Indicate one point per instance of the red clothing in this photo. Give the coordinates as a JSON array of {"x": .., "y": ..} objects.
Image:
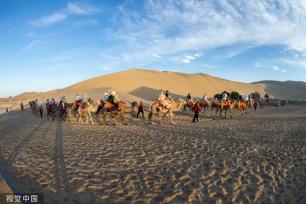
[{"x": 196, "y": 107}]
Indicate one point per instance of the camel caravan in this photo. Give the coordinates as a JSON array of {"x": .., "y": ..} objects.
[{"x": 85, "y": 110}]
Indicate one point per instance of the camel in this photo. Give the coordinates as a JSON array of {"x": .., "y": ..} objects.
[
  {"x": 223, "y": 106},
  {"x": 189, "y": 104},
  {"x": 204, "y": 105},
  {"x": 109, "y": 110},
  {"x": 51, "y": 110},
  {"x": 82, "y": 112},
  {"x": 241, "y": 106},
  {"x": 172, "y": 107}
]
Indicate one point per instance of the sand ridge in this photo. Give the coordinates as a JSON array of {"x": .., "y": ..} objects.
[{"x": 141, "y": 84}]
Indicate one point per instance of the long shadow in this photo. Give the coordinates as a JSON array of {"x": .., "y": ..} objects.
[
  {"x": 64, "y": 190},
  {"x": 61, "y": 182},
  {"x": 23, "y": 142}
]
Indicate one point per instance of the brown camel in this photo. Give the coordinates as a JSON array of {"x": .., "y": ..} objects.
[
  {"x": 158, "y": 106},
  {"x": 108, "y": 110},
  {"x": 223, "y": 106}
]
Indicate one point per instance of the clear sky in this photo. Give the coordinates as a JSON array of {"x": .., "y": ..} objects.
[{"x": 51, "y": 44}]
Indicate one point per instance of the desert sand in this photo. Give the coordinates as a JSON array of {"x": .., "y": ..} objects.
[{"x": 258, "y": 158}]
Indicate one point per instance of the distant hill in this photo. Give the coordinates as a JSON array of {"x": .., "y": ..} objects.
[
  {"x": 289, "y": 90},
  {"x": 143, "y": 84}
]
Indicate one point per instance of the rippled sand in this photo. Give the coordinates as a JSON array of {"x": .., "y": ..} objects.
[{"x": 259, "y": 158}]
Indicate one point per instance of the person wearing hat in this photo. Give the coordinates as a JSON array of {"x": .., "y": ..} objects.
[{"x": 196, "y": 109}]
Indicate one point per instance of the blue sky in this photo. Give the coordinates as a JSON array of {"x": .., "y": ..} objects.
[{"x": 51, "y": 44}]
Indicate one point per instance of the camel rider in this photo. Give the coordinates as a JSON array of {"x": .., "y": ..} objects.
[
  {"x": 78, "y": 98},
  {"x": 250, "y": 98},
  {"x": 162, "y": 98},
  {"x": 224, "y": 96},
  {"x": 188, "y": 97},
  {"x": 62, "y": 104},
  {"x": 112, "y": 99},
  {"x": 52, "y": 101},
  {"x": 101, "y": 105},
  {"x": 205, "y": 97},
  {"x": 106, "y": 96},
  {"x": 245, "y": 98},
  {"x": 63, "y": 99},
  {"x": 78, "y": 101},
  {"x": 116, "y": 97},
  {"x": 168, "y": 97},
  {"x": 167, "y": 94},
  {"x": 84, "y": 99},
  {"x": 205, "y": 100},
  {"x": 161, "y": 94}
]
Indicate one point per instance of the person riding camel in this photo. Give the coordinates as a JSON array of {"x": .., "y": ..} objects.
[
  {"x": 63, "y": 99},
  {"x": 205, "y": 101},
  {"x": 225, "y": 99},
  {"x": 188, "y": 97},
  {"x": 62, "y": 106},
  {"x": 84, "y": 99},
  {"x": 224, "y": 96},
  {"x": 167, "y": 94},
  {"x": 168, "y": 97},
  {"x": 163, "y": 99},
  {"x": 106, "y": 96},
  {"x": 101, "y": 105},
  {"x": 78, "y": 101},
  {"x": 78, "y": 98},
  {"x": 205, "y": 97},
  {"x": 245, "y": 98},
  {"x": 113, "y": 99}
]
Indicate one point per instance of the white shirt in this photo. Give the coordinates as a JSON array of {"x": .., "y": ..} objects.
[{"x": 224, "y": 96}]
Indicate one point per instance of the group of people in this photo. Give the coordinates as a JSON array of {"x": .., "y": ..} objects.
[
  {"x": 164, "y": 100},
  {"x": 196, "y": 108}
]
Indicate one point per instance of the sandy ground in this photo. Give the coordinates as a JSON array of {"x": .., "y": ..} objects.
[{"x": 259, "y": 158}]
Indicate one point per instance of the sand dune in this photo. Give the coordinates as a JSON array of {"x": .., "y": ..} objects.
[
  {"x": 289, "y": 90},
  {"x": 136, "y": 84}
]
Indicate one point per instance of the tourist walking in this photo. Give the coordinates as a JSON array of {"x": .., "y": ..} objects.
[
  {"x": 196, "y": 109},
  {"x": 41, "y": 110},
  {"x": 21, "y": 106},
  {"x": 140, "y": 110}
]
